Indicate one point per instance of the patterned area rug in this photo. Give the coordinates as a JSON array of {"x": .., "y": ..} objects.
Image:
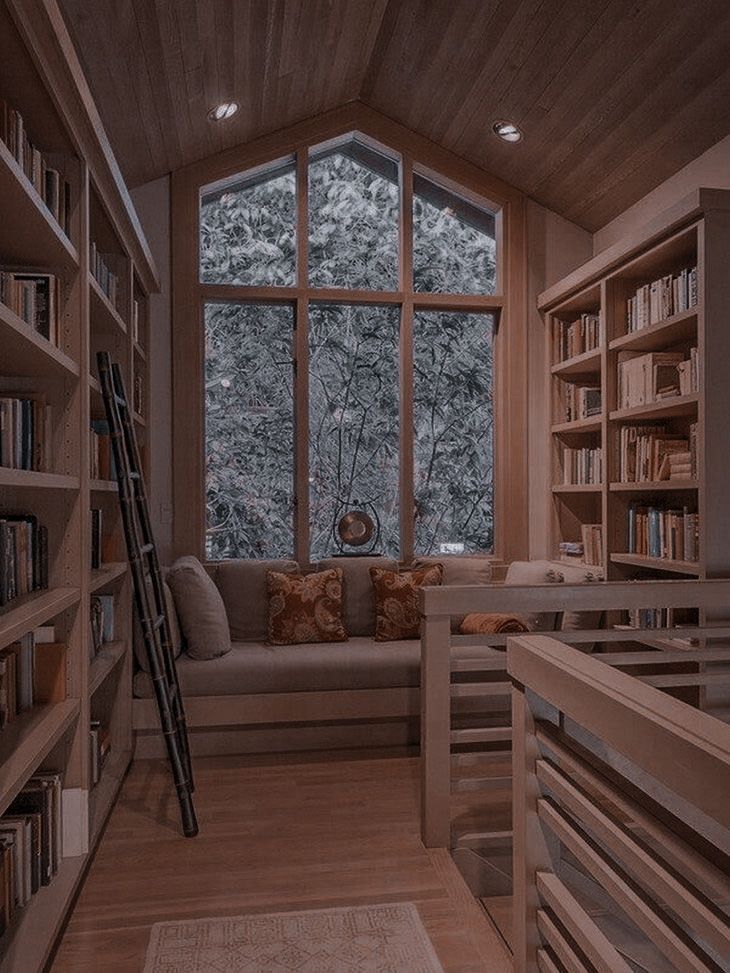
[{"x": 365, "y": 939}]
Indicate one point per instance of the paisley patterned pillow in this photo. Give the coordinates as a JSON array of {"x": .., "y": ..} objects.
[
  {"x": 305, "y": 608},
  {"x": 396, "y": 601}
]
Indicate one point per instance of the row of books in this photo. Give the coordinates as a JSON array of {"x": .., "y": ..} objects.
[
  {"x": 48, "y": 182},
  {"x": 138, "y": 403},
  {"x": 31, "y": 672},
  {"x": 578, "y": 401},
  {"x": 592, "y": 540},
  {"x": 102, "y": 623},
  {"x": 101, "y": 457},
  {"x": 649, "y": 453},
  {"x": 663, "y": 533},
  {"x": 24, "y": 433},
  {"x": 660, "y": 299},
  {"x": 651, "y": 617},
  {"x": 31, "y": 836},
  {"x": 655, "y": 376},
  {"x": 135, "y": 320},
  {"x": 582, "y": 466},
  {"x": 104, "y": 275},
  {"x": 23, "y": 556},
  {"x": 35, "y": 298},
  {"x": 96, "y": 537},
  {"x": 100, "y": 747},
  {"x": 572, "y": 338}
]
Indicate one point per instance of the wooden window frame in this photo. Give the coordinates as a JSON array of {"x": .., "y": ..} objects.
[{"x": 508, "y": 305}]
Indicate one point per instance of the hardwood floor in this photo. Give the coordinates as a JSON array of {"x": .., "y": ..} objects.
[{"x": 278, "y": 833}]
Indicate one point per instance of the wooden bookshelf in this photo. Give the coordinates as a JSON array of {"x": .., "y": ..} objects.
[
  {"x": 657, "y": 563},
  {"x": 51, "y": 94},
  {"x": 694, "y": 233}
]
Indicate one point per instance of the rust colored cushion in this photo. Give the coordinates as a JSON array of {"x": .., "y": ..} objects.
[
  {"x": 305, "y": 608},
  {"x": 396, "y": 601},
  {"x": 492, "y": 623}
]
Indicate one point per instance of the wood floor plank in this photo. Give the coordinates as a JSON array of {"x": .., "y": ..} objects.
[{"x": 276, "y": 834}]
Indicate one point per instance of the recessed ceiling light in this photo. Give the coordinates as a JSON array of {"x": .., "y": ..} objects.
[
  {"x": 507, "y": 131},
  {"x": 226, "y": 109}
]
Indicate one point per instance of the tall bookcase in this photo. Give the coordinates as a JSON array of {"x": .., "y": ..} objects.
[
  {"x": 42, "y": 80},
  {"x": 695, "y": 233}
]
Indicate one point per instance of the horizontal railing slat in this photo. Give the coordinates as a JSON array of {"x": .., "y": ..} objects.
[
  {"x": 559, "y": 944},
  {"x": 595, "y": 946},
  {"x": 701, "y": 872},
  {"x": 655, "y": 923},
  {"x": 602, "y": 595},
  {"x": 678, "y": 895},
  {"x": 661, "y": 735}
]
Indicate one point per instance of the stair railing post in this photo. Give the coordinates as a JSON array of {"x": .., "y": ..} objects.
[{"x": 436, "y": 731}]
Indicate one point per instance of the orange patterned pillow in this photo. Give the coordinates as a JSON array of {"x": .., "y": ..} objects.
[
  {"x": 396, "y": 601},
  {"x": 305, "y": 608}
]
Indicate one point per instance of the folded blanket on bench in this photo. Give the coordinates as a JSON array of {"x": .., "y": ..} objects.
[{"x": 492, "y": 623}]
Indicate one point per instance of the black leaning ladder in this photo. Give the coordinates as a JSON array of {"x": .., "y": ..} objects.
[{"x": 149, "y": 596}]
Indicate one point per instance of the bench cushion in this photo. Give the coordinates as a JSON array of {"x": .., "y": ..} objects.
[
  {"x": 255, "y": 667},
  {"x": 358, "y": 594},
  {"x": 243, "y": 588}
]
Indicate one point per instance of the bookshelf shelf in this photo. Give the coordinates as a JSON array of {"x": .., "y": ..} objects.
[
  {"x": 679, "y": 405},
  {"x": 103, "y": 486},
  {"x": 593, "y": 424},
  {"x": 577, "y": 488},
  {"x": 30, "y": 479},
  {"x": 103, "y": 795},
  {"x": 586, "y": 364},
  {"x": 51, "y": 103},
  {"x": 27, "y": 943},
  {"x": 27, "y": 613},
  {"x": 679, "y": 263},
  {"x": 657, "y": 486},
  {"x": 657, "y": 563},
  {"x": 26, "y": 741},
  {"x": 677, "y": 328},
  {"x": 104, "y": 663},
  {"x": 106, "y": 575},
  {"x": 26, "y": 353},
  {"x": 104, "y": 316},
  {"x": 28, "y": 232}
]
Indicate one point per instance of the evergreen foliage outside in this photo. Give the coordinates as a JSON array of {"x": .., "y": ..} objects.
[{"x": 248, "y": 237}]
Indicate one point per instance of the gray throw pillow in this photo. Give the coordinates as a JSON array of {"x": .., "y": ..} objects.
[
  {"x": 200, "y": 609},
  {"x": 140, "y": 652}
]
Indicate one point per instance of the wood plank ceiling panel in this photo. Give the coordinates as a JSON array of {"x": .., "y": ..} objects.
[
  {"x": 157, "y": 66},
  {"x": 613, "y": 95}
]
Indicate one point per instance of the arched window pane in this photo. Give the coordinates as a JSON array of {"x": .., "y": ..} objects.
[
  {"x": 353, "y": 219},
  {"x": 247, "y": 231},
  {"x": 249, "y": 430},
  {"x": 453, "y": 432},
  {"x": 454, "y": 242},
  {"x": 353, "y": 420}
]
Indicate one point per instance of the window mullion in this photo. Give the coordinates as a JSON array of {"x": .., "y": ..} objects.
[
  {"x": 301, "y": 369},
  {"x": 406, "y": 432},
  {"x": 405, "y": 271}
]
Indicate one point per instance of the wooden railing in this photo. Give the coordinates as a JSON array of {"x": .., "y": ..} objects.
[
  {"x": 621, "y": 819},
  {"x": 446, "y": 678}
]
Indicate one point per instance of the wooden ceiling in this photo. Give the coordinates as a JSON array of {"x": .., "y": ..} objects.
[{"x": 613, "y": 96}]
